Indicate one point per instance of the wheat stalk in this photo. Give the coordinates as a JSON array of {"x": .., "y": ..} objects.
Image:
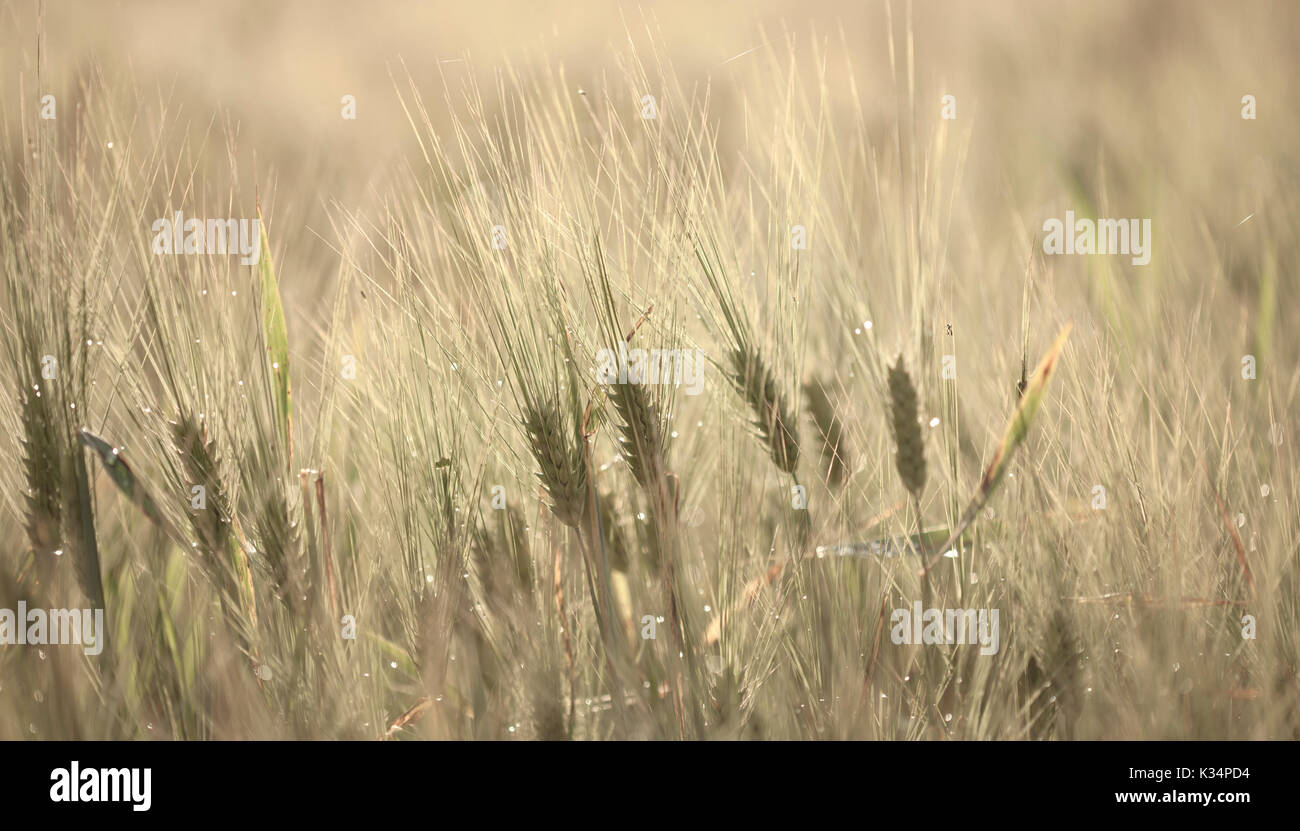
[{"x": 1012, "y": 438}]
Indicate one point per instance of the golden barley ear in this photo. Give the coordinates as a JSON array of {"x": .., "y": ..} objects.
[{"x": 910, "y": 458}]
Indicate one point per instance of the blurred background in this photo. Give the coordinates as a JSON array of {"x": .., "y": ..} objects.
[{"x": 1150, "y": 90}]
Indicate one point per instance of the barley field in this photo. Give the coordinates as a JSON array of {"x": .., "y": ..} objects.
[{"x": 766, "y": 370}]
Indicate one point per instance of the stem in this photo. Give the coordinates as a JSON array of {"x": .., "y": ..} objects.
[{"x": 920, "y": 547}]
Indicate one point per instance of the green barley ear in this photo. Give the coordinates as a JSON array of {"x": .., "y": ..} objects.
[
  {"x": 641, "y": 429},
  {"x": 640, "y": 437},
  {"x": 275, "y": 537},
  {"x": 563, "y": 473},
  {"x": 776, "y": 424},
  {"x": 907, "y": 429},
  {"x": 211, "y": 526},
  {"x": 834, "y": 448},
  {"x": 199, "y": 462},
  {"x": 1018, "y": 427},
  {"x": 752, "y": 378}
]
